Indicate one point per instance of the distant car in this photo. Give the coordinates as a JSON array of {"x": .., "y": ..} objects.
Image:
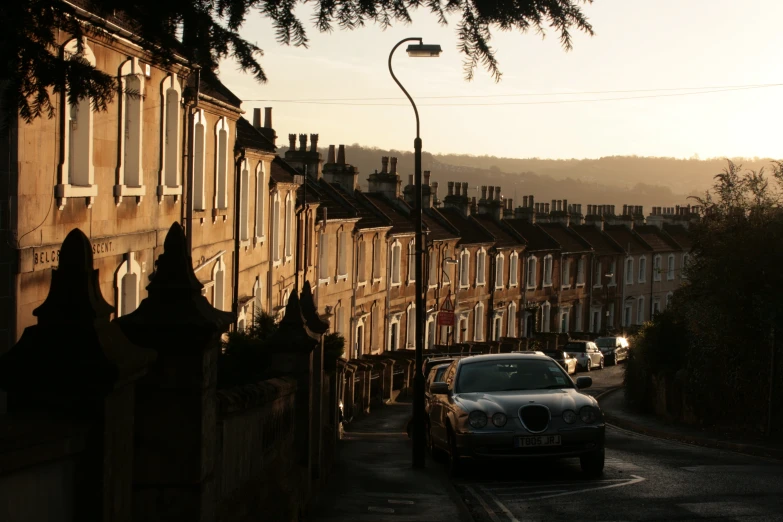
[
  {"x": 515, "y": 406},
  {"x": 434, "y": 361},
  {"x": 435, "y": 374},
  {"x": 565, "y": 360},
  {"x": 615, "y": 349},
  {"x": 586, "y": 353}
]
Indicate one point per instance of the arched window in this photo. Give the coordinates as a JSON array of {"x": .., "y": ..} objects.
[
  {"x": 670, "y": 268},
  {"x": 289, "y": 224},
  {"x": 642, "y": 269},
  {"x": 410, "y": 326},
  {"x": 131, "y": 182},
  {"x": 411, "y": 260},
  {"x": 171, "y": 94},
  {"x": 629, "y": 271},
  {"x": 657, "y": 269},
  {"x": 481, "y": 268},
  {"x": 546, "y": 310},
  {"x": 323, "y": 256},
  {"x": 532, "y": 272},
  {"x": 77, "y": 172},
  {"x": 275, "y": 243},
  {"x": 219, "y": 288},
  {"x": 128, "y": 281},
  {"x": 478, "y": 322},
  {"x": 512, "y": 320},
  {"x": 221, "y": 163},
  {"x": 499, "y": 272},
  {"x": 257, "y": 297},
  {"x": 343, "y": 240},
  {"x": 376, "y": 258},
  {"x": 396, "y": 252},
  {"x": 394, "y": 332},
  {"x": 430, "y": 332},
  {"x": 432, "y": 275},
  {"x": 262, "y": 192},
  {"x": 241, "y": 320},
  {"x": 361, "y": 261},
  {"x": 244, "y": 202},
  {"x": 199, "y": 159},
  {"x": 565, "y": 320},
  {"x": 513, "y": 269},
  {"x": 548, "y": 270},
  {"x": 464, "y": 268}
]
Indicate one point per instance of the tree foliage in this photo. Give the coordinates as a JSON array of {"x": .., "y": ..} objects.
[{"x": 204, "y": 32}]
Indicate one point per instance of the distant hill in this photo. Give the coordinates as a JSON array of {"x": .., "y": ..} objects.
[{"x": 614, "y": 180}]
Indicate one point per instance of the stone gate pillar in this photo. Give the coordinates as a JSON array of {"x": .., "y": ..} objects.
[
  {"x": 75, "y": 365},
  {"x": 176, "y": 407}
]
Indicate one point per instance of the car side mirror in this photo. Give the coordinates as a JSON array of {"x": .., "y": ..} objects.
[
  {"x": 584, "y": 382},
  {"x": 439, "y": 388}
]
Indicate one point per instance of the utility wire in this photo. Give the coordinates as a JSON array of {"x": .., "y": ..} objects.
[{"x": 709, "y": 89}]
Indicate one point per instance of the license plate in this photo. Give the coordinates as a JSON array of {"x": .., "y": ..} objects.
[{"x": 540, "y": 440}]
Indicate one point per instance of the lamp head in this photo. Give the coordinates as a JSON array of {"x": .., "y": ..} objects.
[{"x": 421, "y": 50}]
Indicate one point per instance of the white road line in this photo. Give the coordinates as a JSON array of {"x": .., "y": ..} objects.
[
  {"x": 484, "y": 505},
  {"x": 499, "y": 504},
  {"x": 375, "y": 509},
  {"x": 635, "y": 480},
  {"x": 557, "y": 484},
  {"x": 395, "y": 501}
]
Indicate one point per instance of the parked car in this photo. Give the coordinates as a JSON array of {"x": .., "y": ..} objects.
[
  {"x": 515, "y": 407},
  {"x": 435, "y": 374},
  {"x": 564, "y": 359},
  {"x": 615, "y": 349},
  {"x": 586, "y": 353}
]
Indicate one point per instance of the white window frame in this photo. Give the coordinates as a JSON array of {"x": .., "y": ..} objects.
[
  {"x": 429, "y": 340},
  {"x": 274, "y": 244},
  {"x": 580, "y": 271},
  {"x": 598, "y": 275},
  {"x": 500, "y": 272},
  {"x": 629, "y": 263},
  {"x": 411, "y": 261},
  {"x": 343, "y": 261},
  {"x": 478, "y": 322},
  {"x": 565, "y": 281},
  {"x": 170, "y": 175},
  {"x": 511, "y": 326},
  {"x": 199, "y": 160},
  {"x": 396, "y": 262},
  {"x": 481, "y": 267},
  {"x": 128, "y": 267},
  {"x": 640, "y": 310},
  {"x": 656, "y": 306},
  {"x": 595, "y": 326},
  {"x": 323, "y": 258},
  {"x": 513, "y": 270},
  {"x": 578, "y": 317},
  {"x": 288, "y": 229},
  {"x": 564, "y": 313},
  {"x": 262, "y": 192},
  {"x": 222, "y": 168},
  {"x": 410, "y": 326},
  {"x": 613, "y": 271},
  {"x": 671, "y": 267},
  {"x": 219, "y": 286},
  {"x": 432, "y": 276},
  {"x": 394, "y": 322},
  {"x": 72, "y": 185},
  {"x": 131, "y": 111},
  {"x": 258, "y": 305},
  {"x": 361, "y": 260},
  {"x": 532, "y": 268},
  {"x": 548, "y": 267},
  {"x": 377, "y": 269},
  {"x": 244, "y": 204},
  {"x": 462, "y": 319},
  {"x": 642, "y": 269},
  {"x": 497, "y": 325},
  {"x": 464, "y": 269},
  {"x": 546, "y": 316},
  {"x": 657, "y": 267}
]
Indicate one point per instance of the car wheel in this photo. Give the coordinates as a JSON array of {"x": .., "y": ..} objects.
[
  {"x": 601, "y": 366},
  {"x": 593, "y": 463},
  {"x": 588, "y": 365},
  {"x": 455, "y": 466}
]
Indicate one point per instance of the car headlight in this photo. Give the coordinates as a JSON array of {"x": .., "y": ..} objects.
[
  {"x": 477, "y": 419},
  {"x": 588, "y": 414},
  {"x": 499, "y": 419},
  {"x": 569, "y": 416}
]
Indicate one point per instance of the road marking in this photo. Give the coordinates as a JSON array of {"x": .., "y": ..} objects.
[
  {"x": 490, "y": 512},
  {"x": 635, "y": 479},
  {"x": 557, "y": 484},
  {"x": 621, "y": 464},
  {"x": 722, "y": 509},
  {"x": 375, "y": 509},
  {"x": 395, "y": 501},
  {"x": 499, "y": 504}
]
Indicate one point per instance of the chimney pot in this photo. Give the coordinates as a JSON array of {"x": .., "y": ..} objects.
[
  {"x": 330, "y": 158},
  {"x": 435, "y": 189},
  {"x": 483, "y": 192},
  {"x": 385, "y": 164},
  {"x": 393, "y": 166},
  {"x": 465, "y": 188},
  {"x": 257, "y": 118},
  {"x": 292, "y": 141},
  {"x": 554, "y": 205},
  {"x": 546, "y": 208},
  {"x": 410, "y": 179},
  {"x": 524, "y": 201},
  {"x": 427, "y": 177},
  {"x": 450, "y": 188},
  {"x": 565, "y": 206},
  {"x": 625, "y": 209},
  {"x": 341, "y": 155},
  {"x": 313, "y": 142},
  {"x": 303, "y": 142},
  {"x": 267, "y": 117},
  {"x": 611, "y": 208},
  {"x": 510, "y": 204},
  {"x": 530, "y": 199}
]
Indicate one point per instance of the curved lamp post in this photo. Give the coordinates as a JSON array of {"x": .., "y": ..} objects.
[{"x": 419, "y": 444}]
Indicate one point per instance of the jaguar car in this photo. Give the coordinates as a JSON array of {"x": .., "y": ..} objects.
[{"x": 515, "y": 407}]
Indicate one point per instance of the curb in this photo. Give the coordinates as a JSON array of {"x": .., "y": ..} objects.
[
  {"x": 456, "y": 498},
  {"x": 745, "y": 449}
]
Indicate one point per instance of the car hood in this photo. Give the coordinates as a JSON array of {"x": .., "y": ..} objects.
[{"x": 509, "y": 402}]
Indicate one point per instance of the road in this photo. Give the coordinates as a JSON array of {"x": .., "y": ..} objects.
[{"x": 644, "y": 479}]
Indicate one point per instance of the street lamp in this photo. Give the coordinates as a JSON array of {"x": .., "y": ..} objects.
[
  {"x": 452, "y": 262},
  {"x": 419, "y": 443},
  {"x": 609, "y": 276}
]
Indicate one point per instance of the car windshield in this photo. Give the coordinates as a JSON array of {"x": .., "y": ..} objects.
[
  {"x": 606, "y": 343},
  {"x": 575, "y": 347},
  {"x": 511, "y": 375}
]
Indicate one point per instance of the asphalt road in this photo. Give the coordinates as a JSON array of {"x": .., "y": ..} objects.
[{"x": 644, "y": 479}]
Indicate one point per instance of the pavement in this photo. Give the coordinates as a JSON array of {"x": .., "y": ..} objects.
[{"x": 374, "y": 480}]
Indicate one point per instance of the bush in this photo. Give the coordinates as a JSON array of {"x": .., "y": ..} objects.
[
  {"x": 244, "y": 357},
  {"x": 334, "y": 348}
]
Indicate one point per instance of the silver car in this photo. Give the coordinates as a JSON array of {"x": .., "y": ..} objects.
[
  {"x": 586, "y": 353},
  {"x": 515, "y": 406}
]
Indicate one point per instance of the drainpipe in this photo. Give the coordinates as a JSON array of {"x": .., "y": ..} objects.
[
  {"x": 355, "y": 238},
  {"x": 590, "y": 295},
  {"x": 388, "y": 295},
  {"x": 188, "y": 203},
  {"x": 237, "y": 217},
  {"x": 491, "y": 304}
]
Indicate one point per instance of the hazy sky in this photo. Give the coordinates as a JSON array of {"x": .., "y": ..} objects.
[{"x": 665, "y": 44}]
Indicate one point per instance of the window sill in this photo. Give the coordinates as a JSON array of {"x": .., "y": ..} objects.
[
  {"x": 432, "y": 287},
  {"x": 323, "y": 282},
  {"x": 514, "y": 285},
  {"x": 361, "y": 284},
  {"x": 244, "y": 243},
  {"x": 480, "y": 284},
  {"x": 376, "y": 281},
  {"x": 121, "y": 191},
  {"x": 500, "y": 288},
  {"x": 530, "y": 287},
  {"x": 565, "y": 287},
  {"x": 165, "y": 190},
  {"x": 547, "y": 285},
  {"x": 65, "y": 191},
  {"x": 580, "y": 285},
  {"x": 341, "y": 278},
  {"x": 464, "y": 287},
  {"x": 259, "y": 240},
  {"x": 612, "y": 285},
  {"x": 219, "y": 213},
  {"x": 276, "y": 264},
  {"x": 394, "y": 285}
]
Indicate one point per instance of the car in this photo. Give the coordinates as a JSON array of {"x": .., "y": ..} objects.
[
  {"x": 435, "y": 374},
  {"x": 515, "y": 407},
  {"x": 565, "y": 360},
  {"x": 615, "y": 349},
  {"x": 586, "y": 353}
]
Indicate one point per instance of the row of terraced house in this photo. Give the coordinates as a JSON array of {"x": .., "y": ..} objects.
[{"x": 257, "y": 223}]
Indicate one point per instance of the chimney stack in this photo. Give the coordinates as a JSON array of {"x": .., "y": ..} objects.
[
  {"x": 384, "y": 164},
  {"x": 450, "y": 188},
  {"x": 267, "y": 117},
  {"x": 291, "y": 141},
  {"x": 313, "y": 142},
  {"x": 410, "y": 179},
  {"x": 625, "y": 209},
  {"x": 330, "y": 157},
  {"x": 530, "y": 200},
  {"x": 341, "y": 155},
  {"x": 554, "y": 206},
  {"x": 434, "y": 191},
  {"x": 257, "y": 118},
  {"x": 565, "y": 206},
  {"x": 427, "y": 177},
  {"x": 546, "y": 208},
  {"x": 393, "y": 167},
  {"x": 303, "y": 143},
  {"x": 524, "y": 201},
  {"x": 465, "y": 188},
  {"x": 483, "y": 192}
]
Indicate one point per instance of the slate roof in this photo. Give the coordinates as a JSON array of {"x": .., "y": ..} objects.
[
  {"x": 437, "y": 230},
  {"x": 625, "y": 237},
  {"x": 282, "y": 171},
  {"x": 536, "y": 237},
  {"x": 471, "y": 232},
  {"x": 654, "y": 237},
  {"x": 249, "y": 137},
  {"x": 680, "y": 235},
  {"x": 568, "y": 240},
  {"x": 504, "y": 238},
  {"x": 214, "y": 88},
  {"x": 370, "y": 215},
  {"x": 601, "y": 242},
  {"x": 401, "y": 223}
]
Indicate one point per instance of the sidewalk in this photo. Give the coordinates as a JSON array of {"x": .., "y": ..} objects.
[
  {"x": 618, "y": 413},
  {"x": 373, "y": 479}
]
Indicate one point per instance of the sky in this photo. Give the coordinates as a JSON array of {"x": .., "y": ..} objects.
[{"x": 661, "y": 47}]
